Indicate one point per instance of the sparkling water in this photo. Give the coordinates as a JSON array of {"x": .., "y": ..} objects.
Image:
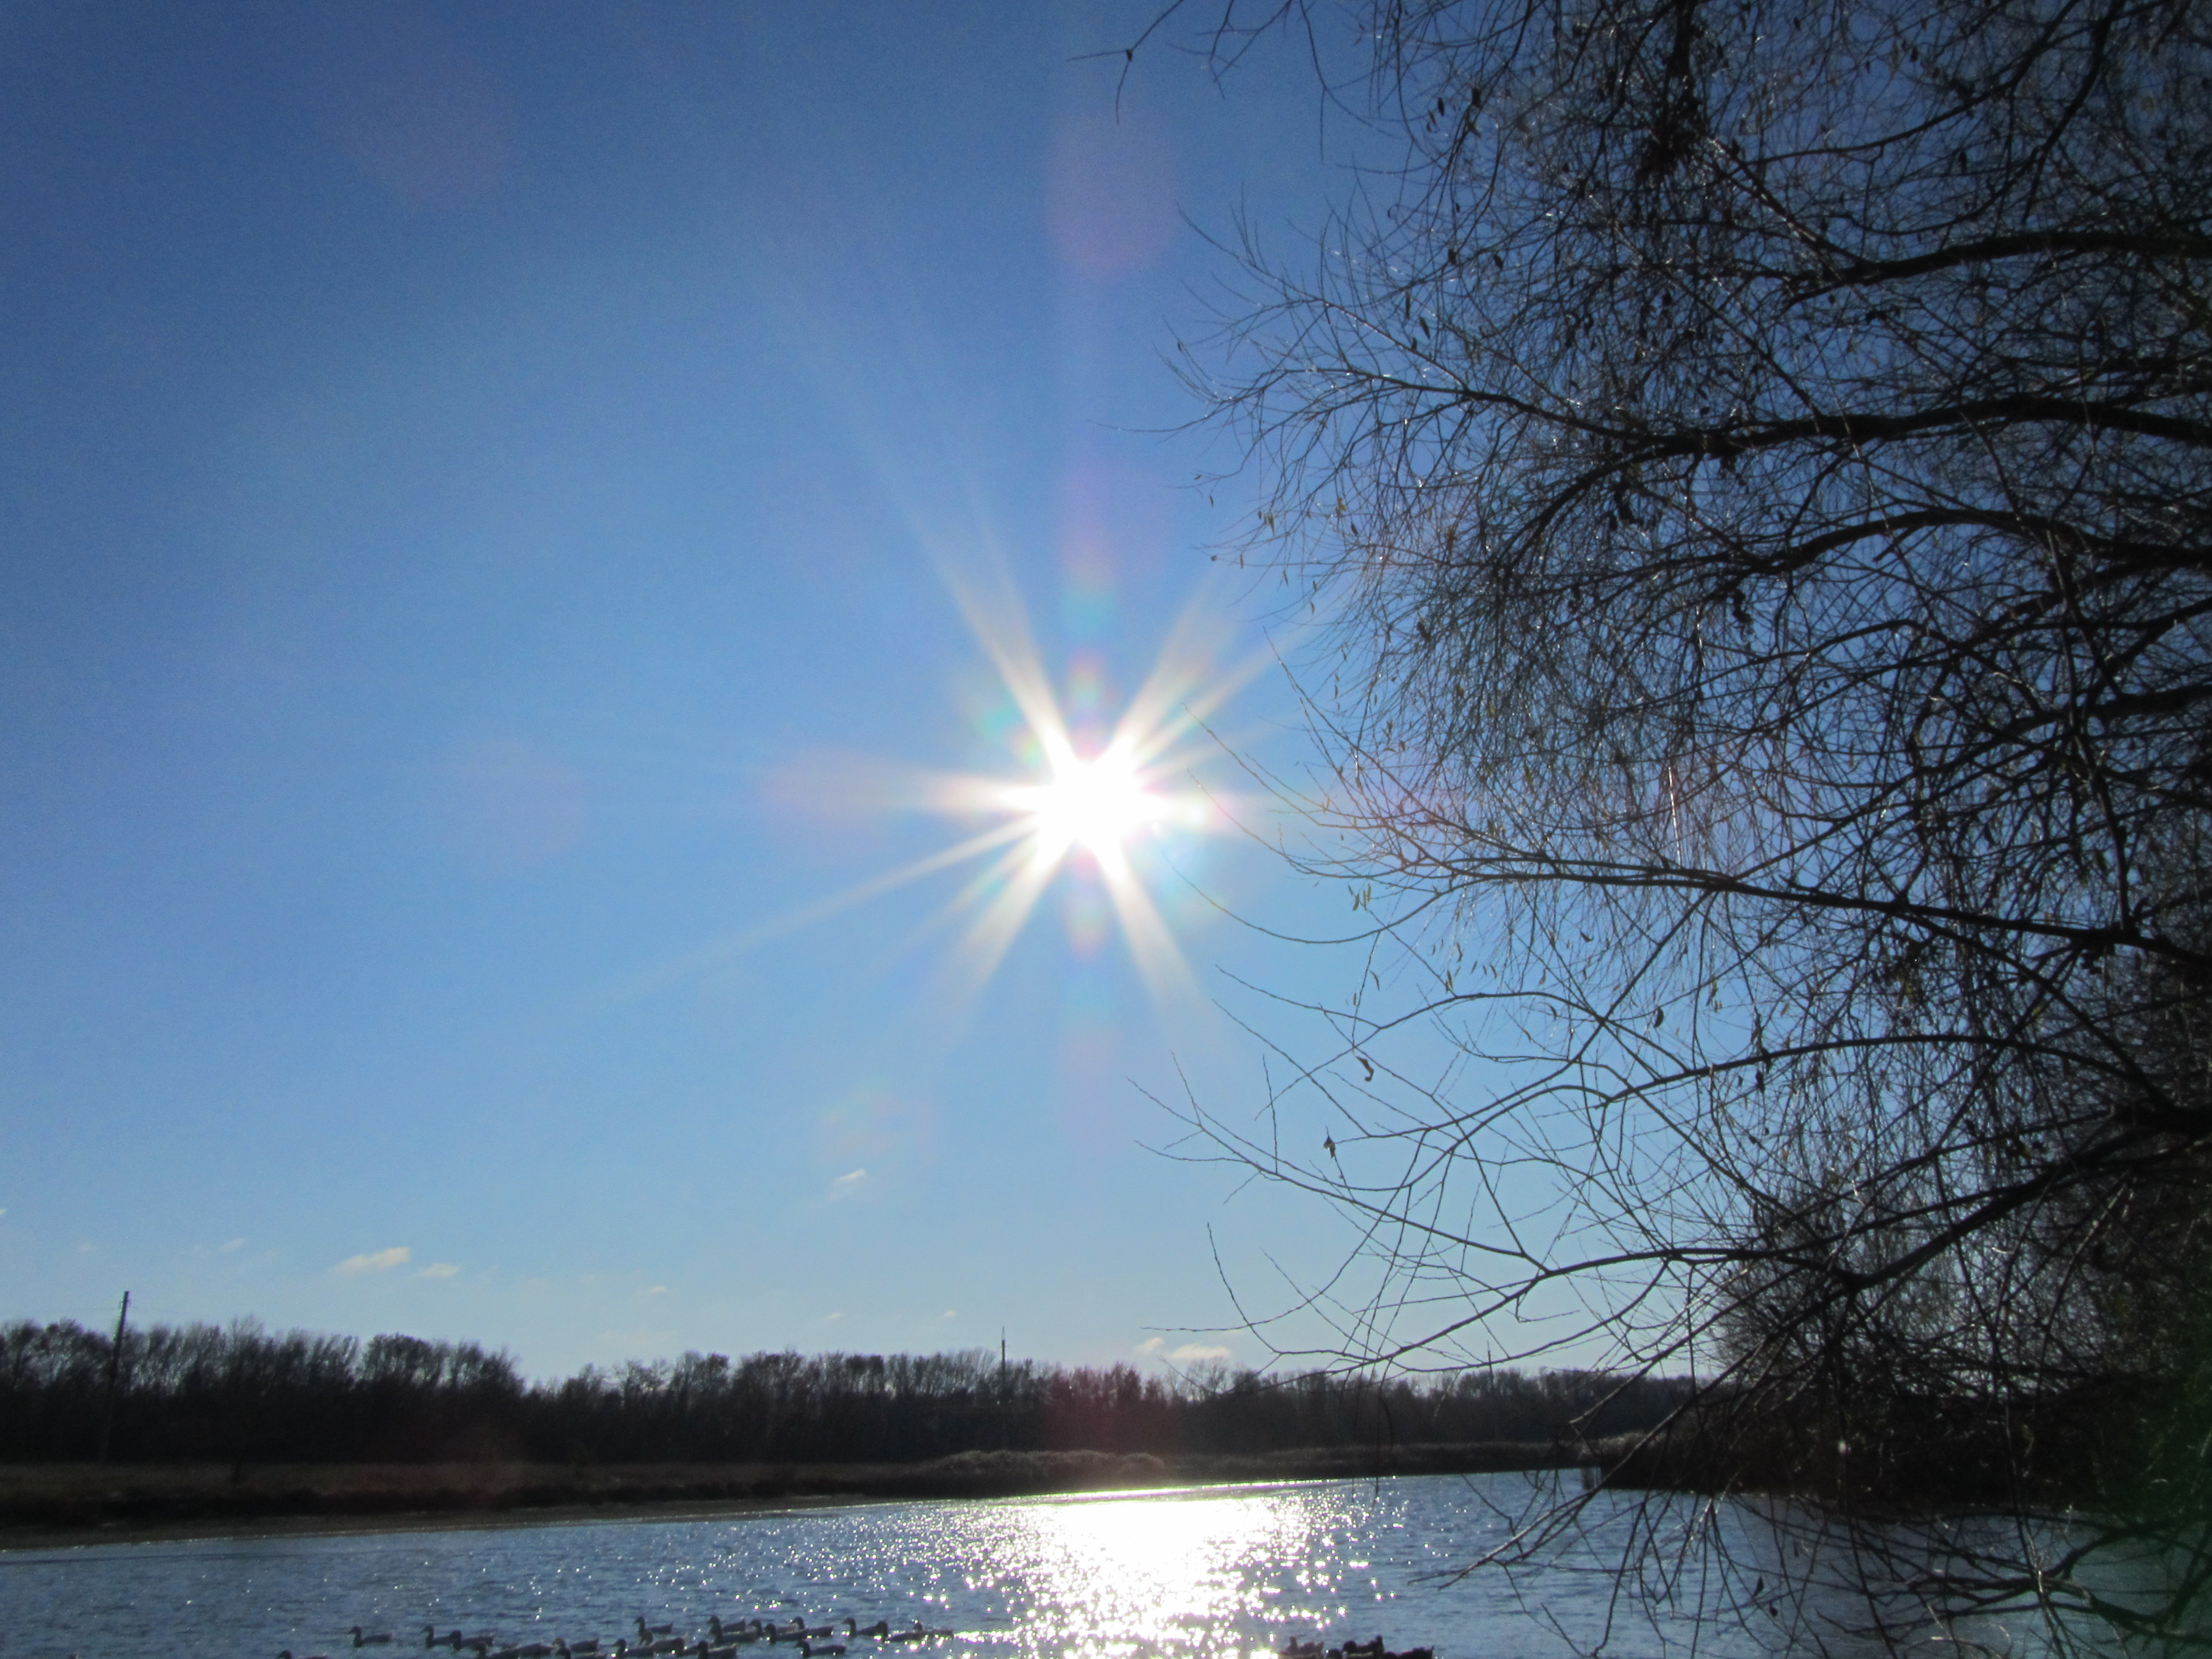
[{"x": 1225, "y": 1572}]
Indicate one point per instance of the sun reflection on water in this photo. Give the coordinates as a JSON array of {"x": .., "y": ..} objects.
[
  {"x": 1140, "y": 1575},
  {"x": 1226, "y": 1573}
]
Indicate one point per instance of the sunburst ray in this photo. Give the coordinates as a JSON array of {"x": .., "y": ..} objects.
[{"x": 1137, "y": 786}]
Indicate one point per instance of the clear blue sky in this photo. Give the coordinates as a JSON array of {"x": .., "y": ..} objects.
[{"x": 479, "y": 481}]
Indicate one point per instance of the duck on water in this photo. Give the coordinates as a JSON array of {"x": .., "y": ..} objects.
[{"x": 724, "y": 1638}]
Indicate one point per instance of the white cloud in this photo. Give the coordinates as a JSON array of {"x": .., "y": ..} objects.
[
  {"x": 847, "y": 1183},
  {"x": 220, "y": 1250},
  {"x": 950, "y": 1313},
  {"x": 88, "y": 1249},
  {"x": 375, "y": 1261},
  {"x": 831, "y": 1318},
  {"x": 1189, "y": 1353},
  {"x": 654, "y": 1290},
  {"x": 439, "y": 1270}
]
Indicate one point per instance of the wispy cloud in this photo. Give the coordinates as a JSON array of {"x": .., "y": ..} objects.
[
  {"x": 375, "y": 1261},
  {"x": 439, "y": 1270},
  {"x": 847, "y": 1183},
  {"x": 219, "y": 1249},
  {"x": 832, "y": 1318},
  {"x": 652, "y": 1291},
  {"x": 1189, "y": 1353},
  {"x": 950, "y": 1313}
]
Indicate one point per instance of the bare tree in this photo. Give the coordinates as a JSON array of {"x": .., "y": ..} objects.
[{"x": 1757, "y": 460}]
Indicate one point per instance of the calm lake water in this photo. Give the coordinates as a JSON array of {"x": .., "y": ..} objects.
[{"x": 1220, "y": 1571}]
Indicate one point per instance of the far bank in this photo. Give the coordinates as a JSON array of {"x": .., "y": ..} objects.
[{"x": 42, "y": 1505}]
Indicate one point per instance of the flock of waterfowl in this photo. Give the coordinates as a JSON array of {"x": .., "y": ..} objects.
[
  {"x": 1374, "y": 1650},
  {"x": 722, "y": 1640}
]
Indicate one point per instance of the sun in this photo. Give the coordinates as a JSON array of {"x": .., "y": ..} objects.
[
  {"x": 1110, "y": 795},
  {"x": 1097, "y": 805}
]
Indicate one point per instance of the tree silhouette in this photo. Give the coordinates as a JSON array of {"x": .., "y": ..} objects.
[{"x": 1757, "y": 463}]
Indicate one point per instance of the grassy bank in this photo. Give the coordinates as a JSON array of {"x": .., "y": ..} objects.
[{"x": 43, "y": 1503}]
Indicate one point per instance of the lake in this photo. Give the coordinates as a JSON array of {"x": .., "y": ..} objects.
[{"x": 1218, "y": 1571}]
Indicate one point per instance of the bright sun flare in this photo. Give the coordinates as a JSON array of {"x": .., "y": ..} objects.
[
  {"x": 1134, "y": 791},
  {"x": 1096, "y": 805}
]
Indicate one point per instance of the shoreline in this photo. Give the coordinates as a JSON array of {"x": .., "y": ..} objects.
[
  {"x": 33, "y": 1540},
  {"x": 44, "y": 1507}
]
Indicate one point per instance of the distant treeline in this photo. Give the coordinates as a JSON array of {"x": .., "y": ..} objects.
[{"x": 241, "y": 1395}]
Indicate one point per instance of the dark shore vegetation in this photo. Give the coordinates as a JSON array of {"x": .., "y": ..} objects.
[
  {"x": 41, "y": 1504},
  {"x": 214, "y": 1423}
]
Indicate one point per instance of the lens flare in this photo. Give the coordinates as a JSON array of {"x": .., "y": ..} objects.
[
  {"x": 1138, "y": 787},
  {"x": 1102, "y": 800},
  {"x": 1096, "y": 805}
]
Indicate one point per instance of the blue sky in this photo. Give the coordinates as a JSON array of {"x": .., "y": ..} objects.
[{"x": 483, "y": 494}]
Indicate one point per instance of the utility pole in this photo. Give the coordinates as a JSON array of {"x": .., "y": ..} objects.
[
  {"x": 114, "y": 1376},
  {"x": 1005, "y": 1440}
]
